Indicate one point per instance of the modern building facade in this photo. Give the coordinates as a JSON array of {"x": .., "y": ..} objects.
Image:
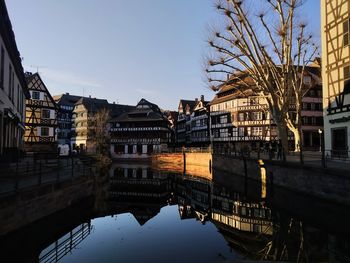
[
  {"x": 139, "y": 132},
  {"x": 41, "y": 117},
  {"x": 13, "y": 90},
  {"x": 335, "y": 33}
]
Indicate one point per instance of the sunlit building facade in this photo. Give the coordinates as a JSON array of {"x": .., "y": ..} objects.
[{"x": 335, "y": 31}]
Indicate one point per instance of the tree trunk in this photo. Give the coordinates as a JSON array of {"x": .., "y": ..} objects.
[{"x": 283, "y": 136}]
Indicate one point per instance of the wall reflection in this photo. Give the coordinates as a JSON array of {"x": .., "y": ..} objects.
[{"x": 257, "y": 227}]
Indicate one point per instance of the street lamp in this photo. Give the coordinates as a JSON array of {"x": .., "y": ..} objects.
[{"x": 320, "y": 133}]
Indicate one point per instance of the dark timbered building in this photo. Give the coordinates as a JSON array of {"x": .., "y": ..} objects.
[
  {"x": 41, "y": 117},
  {"x": 65, "y": 103},
  {"x": 139, "y": 132},
  {"x": 183, "y": 129}
]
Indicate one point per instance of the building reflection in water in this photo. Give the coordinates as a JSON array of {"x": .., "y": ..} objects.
[{"x": 250, "y": 226}]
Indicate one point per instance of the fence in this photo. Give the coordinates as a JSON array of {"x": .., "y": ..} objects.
[{"x": 40, "y": 169}]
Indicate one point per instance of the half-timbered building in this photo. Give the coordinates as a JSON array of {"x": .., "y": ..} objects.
[
  {"x": 139, "y": 132},
  {"x": 335, "y": 24},
  {"x": 183, "y": 129},
  {"x": 13, "y": 91},
  {"x": 65, "y": 103},
  {"x": 200, "y": 123},
  {"x": 239, "y": 116},
  {"x": 41, "y": 117}
]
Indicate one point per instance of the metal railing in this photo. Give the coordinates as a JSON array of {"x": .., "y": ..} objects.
[
  {"x": 41, "y": 169},
  {"x": 66, "y": 244}
]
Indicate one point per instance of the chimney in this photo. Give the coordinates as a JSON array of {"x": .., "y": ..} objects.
[
  {"x": 67, "y": 93},
  {"x": 202, "y": 98},
  {"x": 89, "y": 96},
  {"x": 196, "y": 99}
]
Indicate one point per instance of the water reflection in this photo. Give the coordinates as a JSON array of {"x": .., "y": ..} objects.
[{"x": 144, "y": 215}]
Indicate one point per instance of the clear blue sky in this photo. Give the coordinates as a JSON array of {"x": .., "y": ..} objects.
[{"x": 121, "y": 50}]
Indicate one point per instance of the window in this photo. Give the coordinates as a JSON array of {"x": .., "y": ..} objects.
[
  {"x": 347, "y": 72},
  {"x": 2, "y": 65},
  {"x": 346, "y": 39},
  {"x": 44, "y": 131},
  {"x": 223, "y": 119},
  {"x": 241, "y": 116},
  {"x": 257, "y": 116},
  {"x": 257, "y": 131},
  {"x": 35, "y": 95},
  {"x": 223, "y": 133},
  {"x": 241, "y": 131},
  {"x": 10, "y": 81},
  {"x": 45, "y": 114}
]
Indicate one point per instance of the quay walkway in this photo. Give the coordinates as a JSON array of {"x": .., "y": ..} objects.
[{"x": 40, "y": 170}]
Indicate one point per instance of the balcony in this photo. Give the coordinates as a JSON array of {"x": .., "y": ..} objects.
[{"x": 140, "y": 129}]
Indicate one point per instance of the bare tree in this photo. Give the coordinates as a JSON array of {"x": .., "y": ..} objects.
[
  {"x": 269, "y": 46},
  {"x": 99, "y": 132}
]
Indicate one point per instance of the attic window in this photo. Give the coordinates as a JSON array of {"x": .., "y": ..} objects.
[{"x": 35, "y": 95}]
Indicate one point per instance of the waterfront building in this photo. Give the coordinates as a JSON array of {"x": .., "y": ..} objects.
[
  {"x": 82, "y": 122},
  {"x": 239, "y": 116},
  {"x": 13, "y": 90},
  {"x": 192, "y": 123},
  {"x": 65, "y": 103},
  {"x": 335, "y": 28},
  {"x": 183, "y": 129},
  {"x": 41, "y": 117},
  {"x": 312, "y": 109},
  {"x": 139, "y": 132},
  {"x": 199, "y": 123}
]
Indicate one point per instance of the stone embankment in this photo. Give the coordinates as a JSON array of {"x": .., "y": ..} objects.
[{"x": 330, "y": 184}]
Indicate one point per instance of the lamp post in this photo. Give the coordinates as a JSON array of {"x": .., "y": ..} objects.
[{"x": 320, "y": 133}]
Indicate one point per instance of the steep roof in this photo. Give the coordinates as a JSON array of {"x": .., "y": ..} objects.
[
  {"x": 118, "y": 109},
  {"x": 190, "y": 103},
  {"x": 9, "y": 40},
  {"x": 34, "y": 82},
  {"x": 92, "y": 104},
  {"x": 66, "y": 99},
  {"x": 144, "y": 111}
]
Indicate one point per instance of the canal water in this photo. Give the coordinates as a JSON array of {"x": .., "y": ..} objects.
[{"x": 142, "y": 215}]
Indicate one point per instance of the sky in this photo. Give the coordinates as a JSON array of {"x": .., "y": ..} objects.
[{"x": 122, "y": 50}]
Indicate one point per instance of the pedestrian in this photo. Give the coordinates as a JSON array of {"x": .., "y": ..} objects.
[{"x": 279, "y": 150}]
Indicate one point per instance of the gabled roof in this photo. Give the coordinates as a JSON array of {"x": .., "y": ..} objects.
[
  {"x": 144, "y": 111},
  {"x": 9, "y": 40},
  {"x": 190, "y": 103},
  {"x": 118, "y": 109},
  {"x": 66, "y": 99},
  {"x": 34, "y": 81},
  {"x": 92, "y": 104}
]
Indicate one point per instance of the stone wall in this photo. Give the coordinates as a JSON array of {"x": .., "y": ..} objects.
[
  {"x": 189, "y": 163},
  {"x": 312, "y": 181},
  {"x": 30, "y": 205}
]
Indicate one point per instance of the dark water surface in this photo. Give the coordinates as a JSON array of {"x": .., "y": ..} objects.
[{"x": 141, "y": 215}]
